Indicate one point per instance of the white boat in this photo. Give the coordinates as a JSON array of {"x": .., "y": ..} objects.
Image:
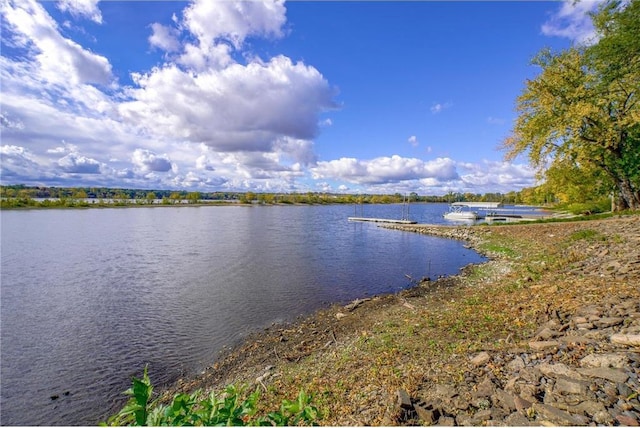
[
  {"x": 458, "y": 212},
  {"x": 463, "y": 210}
]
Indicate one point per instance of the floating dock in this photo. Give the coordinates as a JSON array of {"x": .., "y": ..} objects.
[{"x": 382, "y": 220}]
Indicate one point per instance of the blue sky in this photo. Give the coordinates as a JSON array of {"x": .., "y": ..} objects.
[{"x": 272, "y": 96}]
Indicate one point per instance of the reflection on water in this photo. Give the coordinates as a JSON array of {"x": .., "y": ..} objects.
[{"x": 88, "y": 297}]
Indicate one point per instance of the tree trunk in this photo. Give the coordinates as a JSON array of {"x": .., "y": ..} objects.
[{"x": 629, "y": 199}]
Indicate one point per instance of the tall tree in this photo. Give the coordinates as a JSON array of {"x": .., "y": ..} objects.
[{"x": 582, "y": 110}]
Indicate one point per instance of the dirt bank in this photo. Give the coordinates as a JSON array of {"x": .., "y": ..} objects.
[{"x": 542, "y": 334}]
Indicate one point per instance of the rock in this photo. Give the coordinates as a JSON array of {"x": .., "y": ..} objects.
[
  {"x": 340, "y": 315},
  {"x": 497, "y": 416},
  {"x": 481, "y": 359},
  {"x": 589, "y": 407},
  {"x": 504, "y": 400},
  {"x": 444, "y": 391},
  {"x": 426, "y": 413},
  {"x": 459, "y": 403},
  {"x": 570, "y": 386},
  {"x": 543, "y": 345},
  {"x": 521, "y": 404},
  {"x": 482, "y": 415},
  {"x": 554, "y": 370},
  {"x": 517, "y": 420},
  {"x": 626, "y": 339},
  {"x": 626, "y": 420},
  {"x": 613, "y": 375},
  {"x": 486, "y": 388},
  {"x": 554, "y": 416},
  {"x": 464, "y": 420},
  {"x": 516, "y": 364},
  {"x": 530, "y": 374},
  {"x": 585, "y": 326},
  {"x": 603, "y": 418},
  {"x": 404, "y": 401},
  {"x": 608, "y": 322},
  {"x": 446, "y": 421},
  {"x": 529, "y": 392},
  {"x": 605, "y": 360},
  {"x": 577, "y": 340},
  {"x": 624, "y": 390},
  {"x": 546, "y": 334}
]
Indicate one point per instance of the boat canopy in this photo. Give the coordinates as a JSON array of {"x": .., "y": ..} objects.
[{"x": 481, "y": 205}]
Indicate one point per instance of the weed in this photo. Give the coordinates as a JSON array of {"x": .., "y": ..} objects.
[
  {"x": 588, "y": 235},
  {"x": 473, "y": 301},
  {"x": 617, "y": 239},
  {"x": 534, "y": 274},
  {"x": 489, "y": 319},
  {"x": 197, "y": 409},
  {"x": 511, "y": 288},
  {"x": 499, "y": 249}
]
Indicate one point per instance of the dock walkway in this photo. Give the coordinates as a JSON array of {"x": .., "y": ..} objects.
[{"x": 382, "y": 220}]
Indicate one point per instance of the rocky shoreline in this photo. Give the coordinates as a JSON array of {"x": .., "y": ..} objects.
[
  {"x": 546, "y": 333},
  {"x": 581, "y": 367}
]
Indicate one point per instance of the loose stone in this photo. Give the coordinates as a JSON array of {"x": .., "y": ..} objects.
[
  {"x": 543, "y": 345},
  {"x": 626, "y": 339},
  {"x": 613, "y": 375},
  {"x": 605, "y": 360},
  {"x": 481, "y": 359}
]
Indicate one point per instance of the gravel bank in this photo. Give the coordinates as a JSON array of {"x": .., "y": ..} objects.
[{"x": 580, "y": 367}]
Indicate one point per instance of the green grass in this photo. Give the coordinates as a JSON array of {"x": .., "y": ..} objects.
[
  {"x": 499, "y": 249},
  {"x": 588, "y": 235}
]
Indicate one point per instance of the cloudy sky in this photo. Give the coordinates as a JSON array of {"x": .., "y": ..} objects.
[{"x": 268, "y": 96}]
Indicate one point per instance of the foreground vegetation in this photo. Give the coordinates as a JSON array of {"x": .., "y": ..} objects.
[{"x": 198, "y": 409}]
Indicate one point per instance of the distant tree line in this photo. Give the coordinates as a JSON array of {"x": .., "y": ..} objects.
[
  {"x": 43, "y": 192},
  {"x": 15, "y": 196}
]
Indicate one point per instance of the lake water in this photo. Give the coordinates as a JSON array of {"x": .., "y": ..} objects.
[{"x": 88, "y": 297}]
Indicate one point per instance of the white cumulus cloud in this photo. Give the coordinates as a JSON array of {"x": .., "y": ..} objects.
[
  {"x": 147, "y": 161},
  {"x": 164, "y": 37},
  {"x": 385, "y": 169},
  {"x": 60, "y": 60},
  {"x": 19, "y": 164},
  {"x": 497, "y": 175},
  {"x": 78, "y": 164},
  {"x": 572, "y": 21},
  {"x": 82, "y": 8},
  {"x": 242, "y": 107},
  {"x": 234, "y": 20}
]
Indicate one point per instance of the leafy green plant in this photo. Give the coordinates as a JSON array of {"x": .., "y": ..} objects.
[
  {"x": 196, "y": 409},
  {"x": 136, "y": 409},
  {"x": 293, "y": 412}
]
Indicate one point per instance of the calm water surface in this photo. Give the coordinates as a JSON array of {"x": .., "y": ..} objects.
[{"x": 88, "y": 297}]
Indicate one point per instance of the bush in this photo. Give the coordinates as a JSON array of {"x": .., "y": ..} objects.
[
  {"x": 198, "y": 409},
  {"x": 587, "y": 208}
]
